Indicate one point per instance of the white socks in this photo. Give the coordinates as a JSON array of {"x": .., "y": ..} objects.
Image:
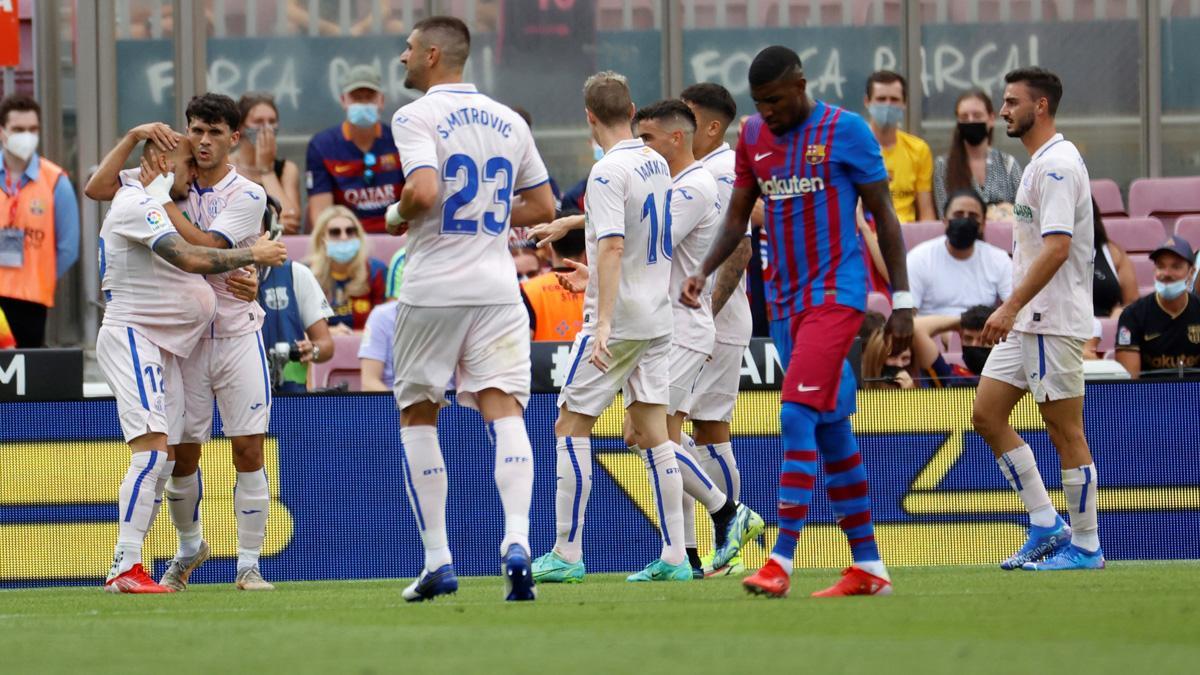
[
  {"x": 574, "y": 465},
  {"x": 689, "y": 521},
  {"x": 425, "y": 474},
  {"x": 160, "y": 488},
  {"x": 1020, "y": 468},
  {"x": 183, "y": 495},
  {"x": 251, "y": 499},
  {"x": 514, "y": 479},
  {"x": 696, "y": 482},
  {"x": 136, "y": 504},
  {"x": 1079, "y": 486},
  {"x": 718, "y": 461},
  {"x": 665, "y": 479}
]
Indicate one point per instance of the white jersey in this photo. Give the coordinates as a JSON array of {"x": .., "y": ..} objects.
[
  {"x": 233, "y": 209},
  {"x": 695, "y": 218},
  {"x": 1055, "y": 198},
  {"x": 734, "y": 323},
  {"x": 143, "y": 291},
  {"x": 484, "y": 155},
  {"x": 626, "y": 196}
]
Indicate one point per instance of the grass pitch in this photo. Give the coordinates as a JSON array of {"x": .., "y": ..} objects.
[{"x": 1131, "y": 618}]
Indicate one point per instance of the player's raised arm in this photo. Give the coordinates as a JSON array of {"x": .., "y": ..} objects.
[
  {"x": 105, "y": 182},
  {"x": 726, "y": 241},
  {"x": 878, "y": 200},
  {"x": 556, "y": 229}
]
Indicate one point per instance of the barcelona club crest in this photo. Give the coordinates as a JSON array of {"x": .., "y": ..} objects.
[
  {"x": 1194, "y": 334},
  {"x": 815, "y": 154}
]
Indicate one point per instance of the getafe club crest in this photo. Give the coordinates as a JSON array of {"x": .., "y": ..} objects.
[{"x": 815, "y": 154}]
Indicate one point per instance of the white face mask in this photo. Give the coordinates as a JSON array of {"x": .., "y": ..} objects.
[{"x": 22, "y": 145}]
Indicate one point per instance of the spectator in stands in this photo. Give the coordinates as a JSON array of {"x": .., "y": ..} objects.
[
  {"x": 556, "y": 313},
  {"x": 339, "y": 257},
  {"x": 257, "y": 157},
  {"x": 528, "y": 264},
  {"x": 908, "y": 159},
  {"x": 973, "y": 164},
  {"x": 355, "y": 164},
  {"x": 924, "y": 365},
  {"x": 375, "y": 350},
  {"x": 1114, "y": 285},
  {"x": 39, "y": 223},
  {"x": 296, "y": 315},
  {"x": 1161, "y": 331},
  {"x": 950, "y": 273}
]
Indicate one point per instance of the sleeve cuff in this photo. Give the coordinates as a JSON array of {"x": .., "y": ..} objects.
[
  {"x": 408, "y": 172},
  {"x": 223, "y": 236},
  {"x": 530, "y": 187},
  {"x": 164, "y": 235},
  {"x": 607, "y": 236},
  {"x": 1069, "y": 233}
]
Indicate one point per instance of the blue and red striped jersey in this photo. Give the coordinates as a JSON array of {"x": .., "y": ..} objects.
[
  {"x": 807, "y": 178},
  {"x": 364, "y": 182}
]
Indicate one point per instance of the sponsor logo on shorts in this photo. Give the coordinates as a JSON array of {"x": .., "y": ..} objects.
[{"x": 256, "y": 406}]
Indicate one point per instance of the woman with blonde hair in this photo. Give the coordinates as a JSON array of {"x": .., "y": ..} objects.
[{"x": 339, "y": 256}]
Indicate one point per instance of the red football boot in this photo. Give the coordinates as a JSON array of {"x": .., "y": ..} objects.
[
  {"x": 134, "y": 580},
  {"x": 771, "y": 581},
  {"x": 856, "y": 581}
]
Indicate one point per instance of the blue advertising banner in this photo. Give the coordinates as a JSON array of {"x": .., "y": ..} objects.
[{"x": 339, "y": 509}]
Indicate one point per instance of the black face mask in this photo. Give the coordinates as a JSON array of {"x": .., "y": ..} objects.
[
  {"x": 975, "y": 358},
  {"x": 973, "y": 133},
  {"x": 962, "y": 233}
]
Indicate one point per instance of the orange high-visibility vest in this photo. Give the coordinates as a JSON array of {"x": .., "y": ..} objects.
[
  {"x": 32, "y": 210},
  {"x": 558, "y": 313}
]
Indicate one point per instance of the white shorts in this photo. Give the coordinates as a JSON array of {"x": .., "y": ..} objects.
[
  {"x": 718, "y": 384},
  {"x": 639, "y": 369},
  {"x": 1048, "y": 366},
  {"x": 685, "y": 366},
  {"x": 484, "y": 347},
  {"x": 234, "y": 371},
  {"x": 145, "y": 381}
]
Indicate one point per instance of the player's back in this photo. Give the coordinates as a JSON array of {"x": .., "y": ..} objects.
[
  {"x": 628, "y": 196},
  {"x": 232, "y": 209},
  {"x": 695, "y": 218},
  {"x": 170, "y": 307},
  {"x": 483, "y": 152},
  {"x": 1055, "y": 198}
]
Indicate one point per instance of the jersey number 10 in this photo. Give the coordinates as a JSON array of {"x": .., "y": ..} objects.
[
  {"x": 650, "y": 210},
  {"x": 497, "y": 171}
]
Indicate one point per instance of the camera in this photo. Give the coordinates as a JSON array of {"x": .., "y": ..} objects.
[{"x": 279, "y": 356}]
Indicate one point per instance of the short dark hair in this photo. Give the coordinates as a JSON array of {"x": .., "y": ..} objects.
[
  {"x": 213, "y": 108},
  {"x": 1042, "y": 82},
  {"x": 965, "y": 192},
  {"x": 773, "y": 63},
  {"x": 251, "y": 100},
  {"x": 887, "y": 77},
  {"x": 452, "y": 35},
  {"x": 671, "y": 110},
  {"x": 713, "y": 98},
  {"x": 975, "y": 317},
  {"x": 606, "y": 95},
  {"x": 570, "y": 245},
  {"x": 18, "y": 103}
]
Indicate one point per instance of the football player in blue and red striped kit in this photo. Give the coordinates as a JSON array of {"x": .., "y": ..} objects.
[{"x": 810, "y": 162}]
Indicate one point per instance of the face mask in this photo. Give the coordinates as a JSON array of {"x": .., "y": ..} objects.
[
  {"x": 975, "y": 358},
  {"x": 962, "y": 233},
  {"x": 22, "y": 145},
  {"x": 885, "y": 115},
  {"x": 1172, "y": 290},
  {"x": 973, "y": 133},
  {"x": 363, "y": 114},
  {"x": 344, "y": 250},
  {"x": 597, "y": 152}
]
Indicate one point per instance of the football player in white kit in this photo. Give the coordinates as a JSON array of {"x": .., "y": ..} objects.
[
  {"x": 1040, "y": 330},
  {"x": 156, "y": 310},
  {"x": 472, "y": 171},
  {"x": 668, "y": 128}
]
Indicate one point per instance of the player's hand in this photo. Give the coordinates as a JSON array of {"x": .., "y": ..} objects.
[
  {"x": 161, "y": 135},
  {"x": 693, "y": 288},
  {"x": 265, "y": 149},
  {"x": 554, "y": 230},
  {"x": 396, "y": 225},
  {"x": 243, "y": 284},
  {"x": 998, "y": 325},
  {"x": 267, "y": 252},
  {"x": 156, "y": 177},
  {"x": 576, "y": 280},
  {"x": 306, "y": 351},
  {"x": 899, "y": 330},
  {"x": 600, "y": 347}
]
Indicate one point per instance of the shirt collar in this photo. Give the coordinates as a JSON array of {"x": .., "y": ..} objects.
[
  {"x": 453, "y": 88},
  {"x": 1053, "y": 139},
  {"x": 627, "y": 143},
  {"x": 31, "y": 169},
  {"x": 346, "y": 130},
  {"x": 722, "y": 148},
  {"x": 221, "y": 184}
]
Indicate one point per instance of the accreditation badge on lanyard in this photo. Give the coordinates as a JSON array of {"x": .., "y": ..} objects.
[{"x": 12, "y": 238}]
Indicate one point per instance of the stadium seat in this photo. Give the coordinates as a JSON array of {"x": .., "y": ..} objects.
[
  {"x": 1136, "y": 235},
  {"x": 1188, "y": 227},
  {"x": 297, "y": 246},
  {"x": 999, "y": 234},
  {"x": 1108, "y": 198},
  {"x": 1166, "y": 198},
  {"x": 1143, "y": 269},
  {"x": 878, "y": 302},
  {"x": 923, "y": 230},
  {"x": 383, "y": 246},
  {"x": 1108, "y": 335},
  {"x": 344, "y": 362}
]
